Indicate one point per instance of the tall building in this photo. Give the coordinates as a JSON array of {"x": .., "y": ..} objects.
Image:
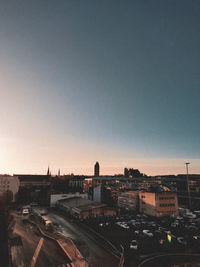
[{"x": 96, "y": 169}]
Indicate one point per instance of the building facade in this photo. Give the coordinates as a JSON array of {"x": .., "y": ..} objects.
[
  {"x": 55, "y": 197},
  {"x": 128, "y": 201},
  {"x": 84, "y": 208},
  {"x": 34, "y": 188},
  {"x": 158, "y": 204},
  {"x": 11, "y": 184}
]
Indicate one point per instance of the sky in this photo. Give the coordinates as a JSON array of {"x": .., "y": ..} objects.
[{"x": 111, "y": 81}]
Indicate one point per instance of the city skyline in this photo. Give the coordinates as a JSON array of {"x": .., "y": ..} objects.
[
  {"x": 167, "y": 168},
  {"x": 113, "y": 82}
]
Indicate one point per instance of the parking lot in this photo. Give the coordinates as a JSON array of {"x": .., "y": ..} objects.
[{"x": 142, "y": 235}]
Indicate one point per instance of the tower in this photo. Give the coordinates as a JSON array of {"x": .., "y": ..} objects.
[{"x": 96, "y": 169}]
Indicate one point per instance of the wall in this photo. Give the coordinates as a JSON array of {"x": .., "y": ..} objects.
[
  {"x": 147, "y": 203},
  {"x": 97, "y": 193}
]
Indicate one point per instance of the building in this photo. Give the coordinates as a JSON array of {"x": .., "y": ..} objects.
[
  {"x": 55, "y": 197},
  {"x": 96, "y": 169},
  {"x": 128, "y": 201},
  {"x": 84, "y": 208},
  {"x": 133, "y": 173},
  {"x": 97, "y": 193},
  {"x": 34, "y": 188},
  {"x": 9, "y": 184},
  {"x": 32, "y": 180},
  {"x": 158, "y": 204}
]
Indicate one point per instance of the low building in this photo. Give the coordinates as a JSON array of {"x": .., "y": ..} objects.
[
  {"x": 55, "y": 197},
  {"x": 84, "y": 208},
  {"x": 158, "y": 204},
  {"x": 128, "y": 200},
  {"x": 9, "y": 184}
]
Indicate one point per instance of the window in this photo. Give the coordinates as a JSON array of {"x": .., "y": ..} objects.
[
  {"x": 167, "y": 205},
  {"x": 165, "y": 198}
]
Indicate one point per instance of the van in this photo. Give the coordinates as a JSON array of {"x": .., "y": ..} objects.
[{"x": 48, "y": 225}]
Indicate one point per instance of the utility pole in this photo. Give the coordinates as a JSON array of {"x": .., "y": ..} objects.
[{"x": 188, "y": 186}]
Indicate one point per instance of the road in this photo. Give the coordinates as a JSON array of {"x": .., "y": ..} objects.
[
  {"x": 24, "y": 242},
  {"x": 171, "y": 260},
  {"x": 89, "y": 245}
]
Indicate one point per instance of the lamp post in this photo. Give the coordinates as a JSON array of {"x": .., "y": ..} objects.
[{"x": 188, "y": 186}]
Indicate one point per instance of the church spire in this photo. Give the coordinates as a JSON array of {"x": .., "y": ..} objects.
[{"x": 48, "y": 172}]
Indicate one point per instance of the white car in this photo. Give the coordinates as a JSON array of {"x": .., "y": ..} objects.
[
  {"x": 134, "y": 245},
  {"x": 147, "y": 233},
  {"x": 190, "y": 215},
  {"x": 25, "y": 211}
]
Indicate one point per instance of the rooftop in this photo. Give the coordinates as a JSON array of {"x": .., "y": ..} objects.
[{"x": 81, "y": 203}]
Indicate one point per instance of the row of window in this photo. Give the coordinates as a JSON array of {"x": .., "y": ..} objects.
[
  {"x": 167, "y": 205},
  {"x": 4, "y": 182},
  {"x": 4, "y": 186},
  {"x": 164, "y": 198},
  {"x": 126, "y": 201}
]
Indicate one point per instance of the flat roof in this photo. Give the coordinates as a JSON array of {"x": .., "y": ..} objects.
[{"x": 81, "y": 203}]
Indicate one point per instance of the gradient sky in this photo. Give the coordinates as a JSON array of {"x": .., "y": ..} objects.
[{"x": 113, "y": 81}]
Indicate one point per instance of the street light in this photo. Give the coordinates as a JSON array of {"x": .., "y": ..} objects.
[{"x": 188, "y": 187}]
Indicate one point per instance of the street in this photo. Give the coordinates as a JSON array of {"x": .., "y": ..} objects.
[
  {"x": 90, "y": 247},
  {"x": 24, "y": 242}
]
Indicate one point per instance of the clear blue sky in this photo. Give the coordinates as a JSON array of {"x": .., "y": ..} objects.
[{"x": 114, "y": 81}]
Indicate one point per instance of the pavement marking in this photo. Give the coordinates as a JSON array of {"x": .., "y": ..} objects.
[{"x": 37, "y": 251}]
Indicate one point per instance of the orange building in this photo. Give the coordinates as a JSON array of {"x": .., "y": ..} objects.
[{"x": 158, "y": 204}]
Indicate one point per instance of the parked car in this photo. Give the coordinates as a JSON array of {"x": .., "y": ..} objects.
[
  {"x": 190, "y": 215},
  {"x": 182, "y": 241},
  {"x": 162, "y": 229},
  {"x": 152, "y": 224},
  {"x": 134, "y": 245},
  {"x": 197, "y": 213},
  {"x": 147, "y": 233},
  {"x": 137, "y": 232},
  {"x": 175, "y": 225}
]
